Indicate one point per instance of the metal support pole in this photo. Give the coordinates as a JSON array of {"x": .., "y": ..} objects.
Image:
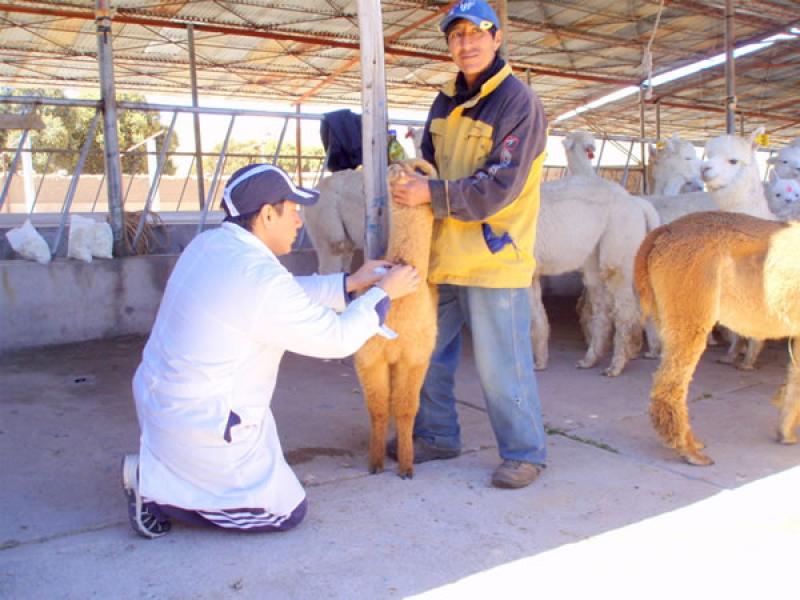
[
  {"x": 298, "y": 132},
  {"x": 13, "y": 168},
  {"x": 624, "y": 181},
  {"x": 162, "y": 158},
  {"x": 105, "y": 61},
  {"x": 280, "y": 142},
  {"x": 642, "y": 132},
  {"x": 658, "y": 121},
  {"x": 73, "y": 184},
  {"x": 217, "y": 172},
  {"x": 374, "y": 120},
  {"x": 730, "y": 70},
  {"x": 600, "y": 155},
  {"x": 198, "y": 142},
  {"x": 741, "y": 124}
]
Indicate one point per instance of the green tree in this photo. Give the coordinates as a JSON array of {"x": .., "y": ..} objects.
[
  {"x": 243, "y": 153},
  {"x": 65, "y": 133}
]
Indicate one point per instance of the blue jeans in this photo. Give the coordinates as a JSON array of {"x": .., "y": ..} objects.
[{"x": 500, "y": 321}]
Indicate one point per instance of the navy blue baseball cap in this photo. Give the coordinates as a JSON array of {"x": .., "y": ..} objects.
[
  {"x": 253, "y": 186},
  {"x": 476, "y": 11}
]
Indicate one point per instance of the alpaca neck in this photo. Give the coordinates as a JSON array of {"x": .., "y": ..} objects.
[
  {"x": 745, "y": 194},
  {"x": 579, "y": 164},
  {"x": 410, "y": 236}
]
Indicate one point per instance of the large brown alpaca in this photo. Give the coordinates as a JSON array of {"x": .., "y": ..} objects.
[
  {"x": 391, "y": 371},
  {"x": 709, "y": 267}
]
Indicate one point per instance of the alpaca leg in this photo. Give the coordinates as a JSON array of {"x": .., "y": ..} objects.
[
  {"x": 406, "y": 385},
  {"x": 754, "y": 348},
  {"x": 734, "y": 349},
  {"x": 540, "y": 327},
  {"x": 598, "y": 305},
  {"x": 788, "y": 400},
  {"x": 627, "y": 330},
  {"x": 653, "y": 340},
  {"x": 669, "y": 413},
  {"x": 374, "y": 380}
]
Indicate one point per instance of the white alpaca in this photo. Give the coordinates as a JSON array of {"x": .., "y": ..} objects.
[
  {"x": 335, "y": 224},
  {"x": 730, "y": 172},
  {"x": 675, "y": 168},
  {"x": 579, "y": 147},
  {"x": 593, "y": 225},
  {"x": 783, "y": 196},
  {"x": 786, "y": 164}
]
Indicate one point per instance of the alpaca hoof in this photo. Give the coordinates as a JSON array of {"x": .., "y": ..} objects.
[
  {"x": 746, "y": 367},
  {"x": 697, "y": 459},
  {"x": 585, "y": 364},
  {"x": 537, "y": 367},
  {"x": 406, "y": 474},
  {"x": 612, "y": 371},
  {"x": 652, "y": 355},
  {"x": 375, "y": 469},
  {"x": 726, "y": 360},
  {"x": 787, "y": 439}
]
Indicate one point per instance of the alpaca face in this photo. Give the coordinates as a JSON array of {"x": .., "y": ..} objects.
[
  {"x": 581, "y": 141},
  {"x": 728, "y": 158},
  {"x": 678, "y": 159},
  {"x": 783, "y": 192},
  {"x": 786, "y": 164}
]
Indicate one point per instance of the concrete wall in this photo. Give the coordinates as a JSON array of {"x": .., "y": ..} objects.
[{"x": 71, "y": 301}]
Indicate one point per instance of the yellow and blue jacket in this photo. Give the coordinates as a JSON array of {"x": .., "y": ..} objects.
[{"x": 488, "y": 145}]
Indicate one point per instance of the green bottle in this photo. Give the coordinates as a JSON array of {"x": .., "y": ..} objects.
[{"x": 396, "y": 152}]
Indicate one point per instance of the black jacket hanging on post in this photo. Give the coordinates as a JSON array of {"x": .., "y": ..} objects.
[{"x": 340, "y": 131}]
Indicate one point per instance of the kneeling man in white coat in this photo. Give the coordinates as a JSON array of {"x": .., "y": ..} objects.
[{"x": 209, "y": 450}]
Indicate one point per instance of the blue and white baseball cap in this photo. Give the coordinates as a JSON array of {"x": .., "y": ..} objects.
[
  {"x": 253, "y": 186},
  {"x": 476, "y": 11}
]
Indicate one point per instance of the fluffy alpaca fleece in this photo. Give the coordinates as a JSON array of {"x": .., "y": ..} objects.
[
  {"x": 744, "y": 274},
  {"x": 335, "y": 224},
  {"x": 589, "y": 224},
  {"x": 675, "y": 168},
  {"x": 730, "y": 173},
  {"x": 391, "y": 372}
]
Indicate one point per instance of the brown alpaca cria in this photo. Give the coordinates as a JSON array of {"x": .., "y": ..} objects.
[
  {"x": 710, "y": 267},
  {"x": 391, "y": 372}
]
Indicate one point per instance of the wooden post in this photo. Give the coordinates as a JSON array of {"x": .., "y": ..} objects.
[
  {"x": 502, "y": 14},
  {"x": 374, "y": 121}
]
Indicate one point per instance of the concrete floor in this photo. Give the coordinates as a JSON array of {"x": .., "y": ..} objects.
[{"x": 614, "y": 515}]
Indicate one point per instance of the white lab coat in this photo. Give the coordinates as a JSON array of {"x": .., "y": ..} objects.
[{"x": 229, "y": 311}]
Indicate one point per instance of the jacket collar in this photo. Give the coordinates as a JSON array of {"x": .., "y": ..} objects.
[
  {"x": 486, "y": 84},
  {"x": 241, "y": 234}
]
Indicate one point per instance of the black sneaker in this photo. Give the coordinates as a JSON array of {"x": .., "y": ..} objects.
[
  {"x": 142, "y": 520},
  {"x": 423, "y": 451}
]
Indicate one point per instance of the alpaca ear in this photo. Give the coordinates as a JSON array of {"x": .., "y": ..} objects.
[
  {"x": 674, "y": 143},
  {"x": 652, "y": 150},
  {"x": 773, "y": 177},
  {"x": 754, "y": 137},
  {"x": 568, "y": 143}
]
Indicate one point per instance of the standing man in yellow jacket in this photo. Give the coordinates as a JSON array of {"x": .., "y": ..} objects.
[{"x": 486, "y": 134}]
